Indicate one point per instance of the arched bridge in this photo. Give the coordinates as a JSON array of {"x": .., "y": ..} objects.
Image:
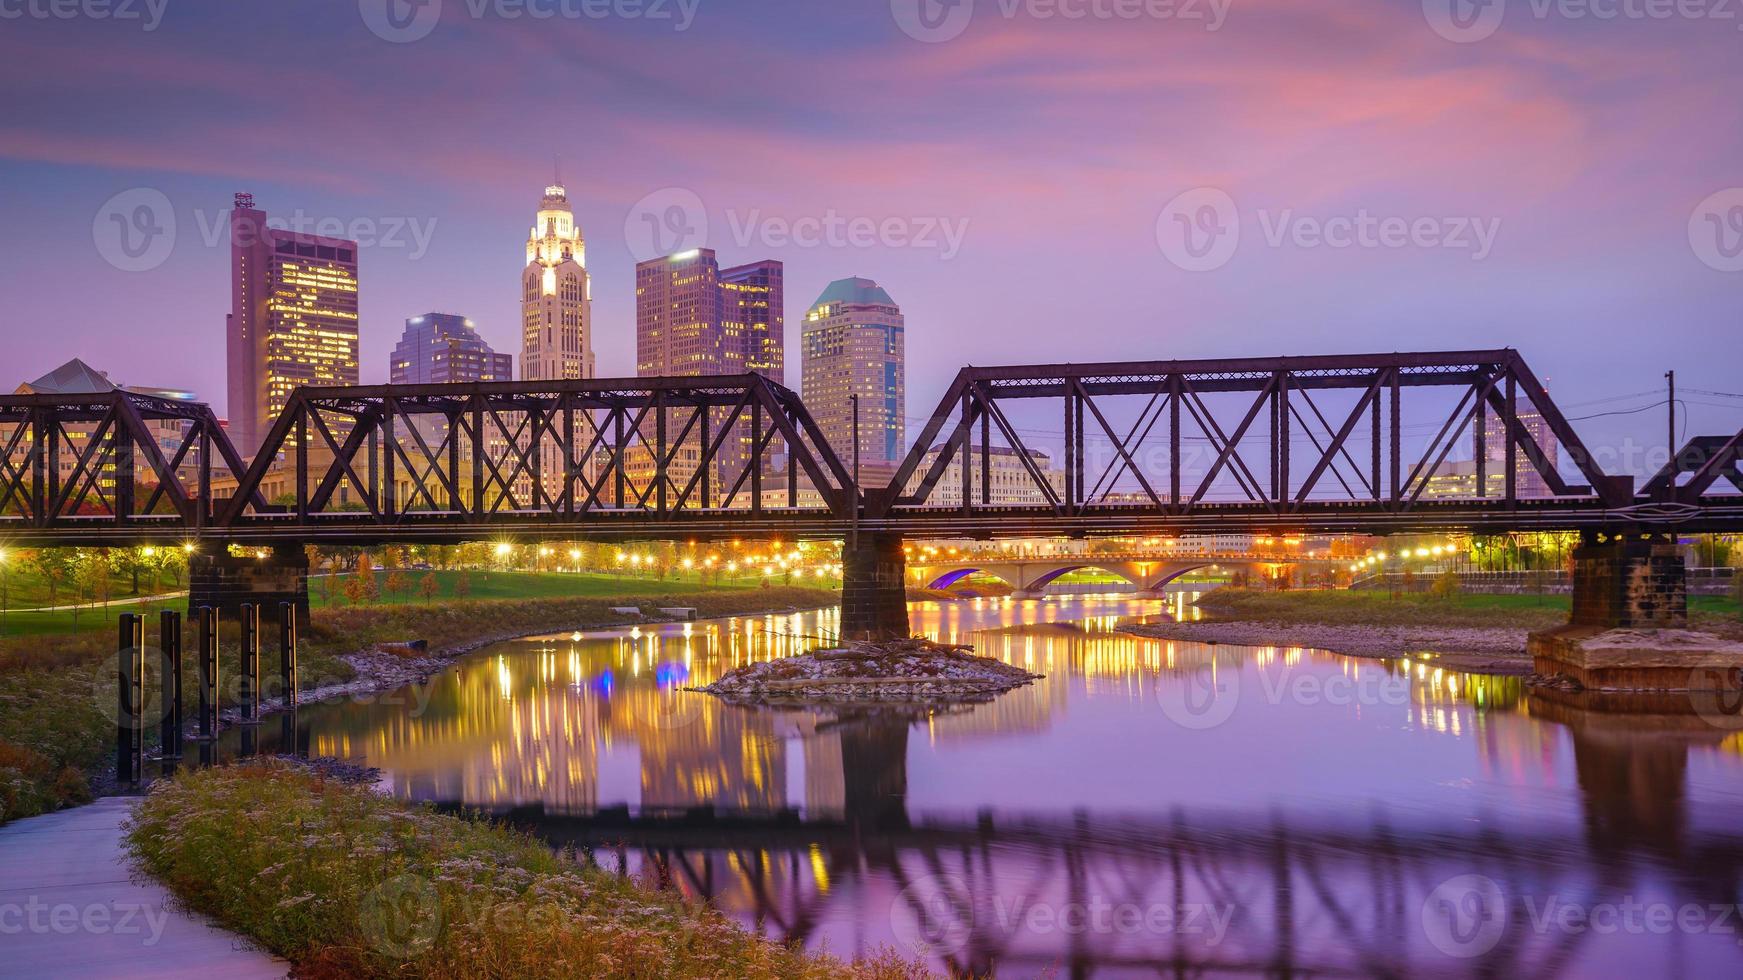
[{"x": 1030, "y": 576}]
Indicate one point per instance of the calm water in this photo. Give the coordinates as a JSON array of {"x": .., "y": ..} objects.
[{"x": 1148, "y": 807}]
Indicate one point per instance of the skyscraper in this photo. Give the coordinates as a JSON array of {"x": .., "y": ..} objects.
[
  {"x": 556, "y": 319},
  {"x": 1527, "y": 481},
  {"x": 556, "y": 296},
  {"x": 852, "y": 345},
  {"x": 695, "y": 318},
  {"x": 439, "y": 348},
  {"x": 292, "y": 321}
]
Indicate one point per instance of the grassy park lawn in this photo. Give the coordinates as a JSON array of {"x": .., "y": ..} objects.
[
  {"x": 1374, "y": 608},
  {"x": 522, "y": 585}
]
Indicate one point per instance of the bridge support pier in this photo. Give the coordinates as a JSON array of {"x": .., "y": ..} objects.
[
  {"x": 1629, "y": 628},
  {"x": 225, "y": 582},
  {"x": 874, "y": 588},
  {"x": 1629, "y": 584}
]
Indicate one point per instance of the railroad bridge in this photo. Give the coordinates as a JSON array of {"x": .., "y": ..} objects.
[{"x": 1287, "y": 445}]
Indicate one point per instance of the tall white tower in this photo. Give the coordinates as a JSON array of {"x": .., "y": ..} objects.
[
  {"x": 556, "y": 321},
  {"x": 556, "y": 296}
]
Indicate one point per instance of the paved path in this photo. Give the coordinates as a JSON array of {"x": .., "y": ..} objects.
[
  {"x": 128, "y": 600},
  {"x": 69, "y": 908}
]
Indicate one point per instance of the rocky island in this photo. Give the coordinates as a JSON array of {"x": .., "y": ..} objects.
[{"x": 911, "y": 671}]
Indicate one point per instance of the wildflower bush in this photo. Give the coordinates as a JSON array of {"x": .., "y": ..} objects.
[{"x": 347, "y": 883}]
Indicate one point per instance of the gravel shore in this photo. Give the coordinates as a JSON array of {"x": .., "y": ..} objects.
[{"x": 1487, "y": 650}]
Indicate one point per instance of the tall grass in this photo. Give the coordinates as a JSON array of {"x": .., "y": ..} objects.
[{"x": 347, "y": 883}]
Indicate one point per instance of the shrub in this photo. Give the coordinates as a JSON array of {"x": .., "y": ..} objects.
[
  {"x": 346, "y": 882},
  {"x": 1447, "y": 585}
]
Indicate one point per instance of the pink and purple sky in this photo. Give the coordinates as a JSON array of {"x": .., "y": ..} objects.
[{"x": 1014, "y": 173}]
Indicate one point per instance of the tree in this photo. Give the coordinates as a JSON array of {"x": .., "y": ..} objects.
[
  {"x": 130, "y": 562},
  {"x": 396, "y": 582},
  {"x": 54, "y": 566},
  {"x": 365, "y": 575},
  {"x": 463, "y": 585},
  {"x": 428, "y": 586}
]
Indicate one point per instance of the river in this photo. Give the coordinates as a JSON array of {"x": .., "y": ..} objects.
[{"x": 1149, "y": 807}]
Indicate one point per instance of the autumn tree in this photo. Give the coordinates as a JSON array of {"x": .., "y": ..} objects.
[{"x": 428, "y": 586}]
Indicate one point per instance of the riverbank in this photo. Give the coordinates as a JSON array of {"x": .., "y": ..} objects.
[
  {"x": 57, "y": 694},
  {"x": 1470, "y": 632},
  {"x": 380, "y": 888}
]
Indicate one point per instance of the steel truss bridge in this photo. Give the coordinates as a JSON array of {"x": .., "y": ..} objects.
[{"x": 1170, "y": 447}]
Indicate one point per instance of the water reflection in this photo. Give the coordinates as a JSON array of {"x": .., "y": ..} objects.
[{"x": 1148, "y": 806}]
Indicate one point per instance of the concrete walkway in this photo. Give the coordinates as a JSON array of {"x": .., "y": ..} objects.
[{"x": 69, "y": 907}]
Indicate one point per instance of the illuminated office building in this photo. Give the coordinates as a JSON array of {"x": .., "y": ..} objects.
[
  {"x": 292, "y": 321},
  {"x": 1528, "y": 482},
  {"x": 852, "y": 345},
  {"x": 441, "y": 348},
  {"x": 695, "y": 318}
]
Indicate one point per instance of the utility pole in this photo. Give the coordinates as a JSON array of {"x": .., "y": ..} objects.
[
  {"x": 853, "y": 542},
  {"x": 1670, "y": 377}
]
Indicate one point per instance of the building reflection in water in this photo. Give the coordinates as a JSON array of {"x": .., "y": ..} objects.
[{"x": 806, "y": 824}]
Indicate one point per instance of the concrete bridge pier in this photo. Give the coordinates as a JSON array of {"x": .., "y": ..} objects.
[
  {"x": 874, "y": 592},
  {"x": 227, "y": 581}
]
